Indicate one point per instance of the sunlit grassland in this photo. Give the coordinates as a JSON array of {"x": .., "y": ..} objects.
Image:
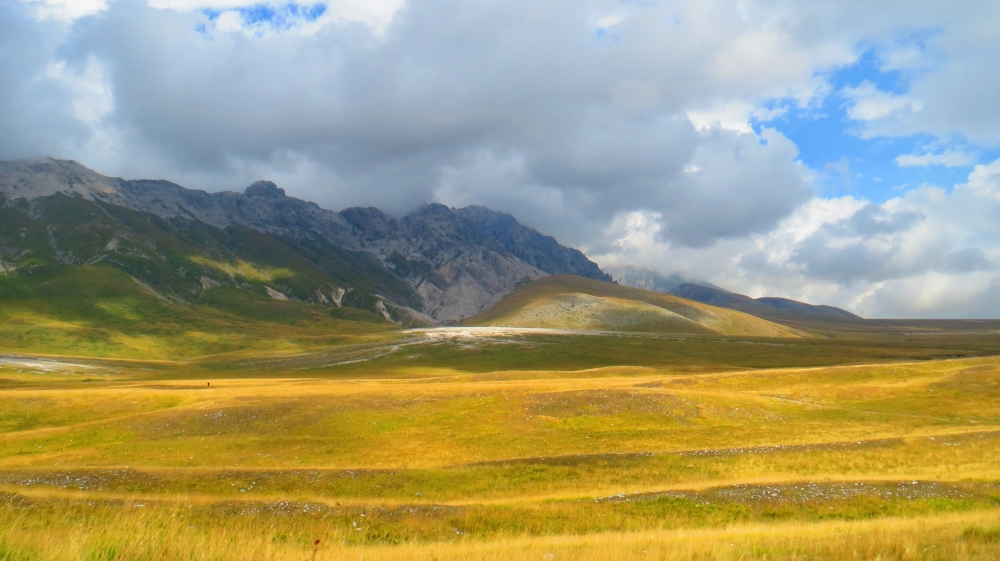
[
  {"x": 577, "y": 356},
  {"x": 385, "y": 424},
  {"x": 378, "y": 452}
]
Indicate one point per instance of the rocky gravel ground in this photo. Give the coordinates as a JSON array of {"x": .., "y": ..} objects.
[{"x": 813, "y": 492}]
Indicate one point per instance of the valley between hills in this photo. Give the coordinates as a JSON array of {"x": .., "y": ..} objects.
[{"x": 190, "y": 375}]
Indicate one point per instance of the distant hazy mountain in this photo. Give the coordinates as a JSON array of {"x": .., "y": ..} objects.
[
  {"x": 766, "y": 307},
  {"x": 436, "y": 262},
  {"x": 648, "y": 279}
]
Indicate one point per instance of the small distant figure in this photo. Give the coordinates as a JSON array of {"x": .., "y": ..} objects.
[{"x": 209, "y": 384}]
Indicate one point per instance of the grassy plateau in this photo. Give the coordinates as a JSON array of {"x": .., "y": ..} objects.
[{"x": 240, "y": 428}]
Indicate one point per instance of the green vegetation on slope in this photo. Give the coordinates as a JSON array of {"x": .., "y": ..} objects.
[
  {"x": 97, "y": 310},
  {"x": 571, "y": 302},
  {"x": 181, "y": 258}
]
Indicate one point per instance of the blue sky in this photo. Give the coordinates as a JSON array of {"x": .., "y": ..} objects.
[
  {"x": 828, "y": 138},
  {"x": 266, "y": 17}
]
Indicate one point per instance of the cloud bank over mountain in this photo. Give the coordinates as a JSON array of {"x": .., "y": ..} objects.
[{"x": 698, "y": 137}]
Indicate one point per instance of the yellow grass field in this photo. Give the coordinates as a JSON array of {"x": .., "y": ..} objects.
[{"x": 379, "y": 454}]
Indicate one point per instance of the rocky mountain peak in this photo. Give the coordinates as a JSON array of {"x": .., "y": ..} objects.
[
  {"x": 370, "y": 221},
  {"x": 41, "y": 177},
  {"x": 265, "y": 189}
]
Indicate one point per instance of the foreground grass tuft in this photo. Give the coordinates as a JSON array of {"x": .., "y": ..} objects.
[{"x": 982, "y": 535}]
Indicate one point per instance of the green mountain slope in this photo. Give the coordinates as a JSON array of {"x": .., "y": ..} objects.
[
  {"x": 182, "y": 258},
  {"x": 92, "y": 278},
  {"x": 571, "y": 302},
  {"x": 99, "y": 311}
]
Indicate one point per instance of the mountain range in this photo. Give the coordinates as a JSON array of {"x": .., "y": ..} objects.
[{"x": 436, "y": 264}]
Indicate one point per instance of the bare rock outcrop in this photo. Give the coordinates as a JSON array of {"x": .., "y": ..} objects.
[{"x": 275, "y": 295}]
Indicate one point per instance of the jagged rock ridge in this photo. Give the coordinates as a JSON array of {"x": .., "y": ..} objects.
[{"x": 436, "y": 262}]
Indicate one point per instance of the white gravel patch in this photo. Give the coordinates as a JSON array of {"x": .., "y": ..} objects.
[
  {"x": 488, "y": 332},
  {"x": 42, "y": 364}
]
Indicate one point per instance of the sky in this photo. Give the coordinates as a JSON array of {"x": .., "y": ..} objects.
[{"x": 845, "y": 153}]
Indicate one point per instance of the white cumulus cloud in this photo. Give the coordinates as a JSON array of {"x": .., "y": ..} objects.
[
  {"x": 930, "y": 252},
  {"x": 871, "y": 104}
]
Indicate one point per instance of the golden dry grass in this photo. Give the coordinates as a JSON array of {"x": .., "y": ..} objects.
[
  {"x": 137, "y": 531},
  {"x": 887, "y": 461}
]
